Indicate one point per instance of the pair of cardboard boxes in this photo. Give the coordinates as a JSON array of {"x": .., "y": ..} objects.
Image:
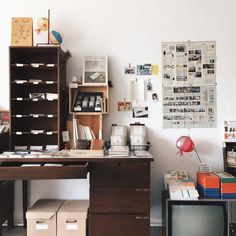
[{"x": 57, "y": 218}]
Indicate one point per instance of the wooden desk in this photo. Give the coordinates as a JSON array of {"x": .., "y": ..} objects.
[{"x": 119, "y": 189}]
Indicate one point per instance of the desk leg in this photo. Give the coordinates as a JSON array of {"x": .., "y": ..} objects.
[{"x": 25, "y": 199}]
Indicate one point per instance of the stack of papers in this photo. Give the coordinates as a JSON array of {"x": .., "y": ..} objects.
[
  {"x": 118, "y": 151},
  {"x": 184, "y": 190},
  {"x": 184, "y": 194}
]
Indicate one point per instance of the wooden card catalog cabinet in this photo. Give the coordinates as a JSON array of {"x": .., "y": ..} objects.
[{"x": 22, "y": 31}]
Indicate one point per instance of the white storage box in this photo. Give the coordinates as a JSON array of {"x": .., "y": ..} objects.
[
  {"x": 71, "y": 218},
  {"x": 117, "y": 140},
  {"x": 42, "y": 218},
  {"x": 118, "y": 130},
  {"x": 138, "y": 140},
  {"x": 137, "y": 130}
]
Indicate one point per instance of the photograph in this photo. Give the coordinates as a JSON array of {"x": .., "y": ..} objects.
[
  {"x": 192, "y": 69},
  {"x": 145, "y": 69},
  {"x": 37, "y": 95},
  {"x": 149, "y": 85},
  {"x": 154, "y": 97},
  {"x": 166, "y": 76},
  {"x": 195, "y": 57},
  {"x": 85, "y": 103},
  {"x": 91, "y": 103},
  {"x": 130, "y": 69},
  {"x": 181, "y": 48},
  {"x": 124, "y": 106},
  {"x": 95, "y": 70},
  {"x": 198, "y": 74},
  {"x": 140, "y": 112}
]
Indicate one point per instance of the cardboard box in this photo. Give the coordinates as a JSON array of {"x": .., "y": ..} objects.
[
  {"x": 71, "y": 218},
  {"x": 42, "y": 218}
]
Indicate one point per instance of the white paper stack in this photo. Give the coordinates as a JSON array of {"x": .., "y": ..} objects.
[{"x": 118, "y": 151}]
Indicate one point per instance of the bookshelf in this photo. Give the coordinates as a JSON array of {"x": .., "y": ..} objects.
[
  {"x": 88, "y": 113},
  {"x": 37, "y": 96}
]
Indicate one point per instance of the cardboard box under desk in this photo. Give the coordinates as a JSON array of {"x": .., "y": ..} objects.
[
  {"x": 71, "y": 218},
  {"x": 42, "y": 218}
]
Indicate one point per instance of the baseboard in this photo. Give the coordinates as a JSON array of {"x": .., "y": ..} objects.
[
  {"x": 17, "y": 222},
  {"x": 154, "y": 223}
]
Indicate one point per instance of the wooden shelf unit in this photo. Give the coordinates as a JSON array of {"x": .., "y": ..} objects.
[
  {"x": 37, "y": 70},
  {"x": 229, "y": 146},
  {"x": 92, "y": 119}
]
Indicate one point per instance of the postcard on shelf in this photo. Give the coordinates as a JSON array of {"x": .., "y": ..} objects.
[
  {"x": 41, "y": 30},
  {"x": 37, "y": 96},
  {"x": 95, "y": 70},
  {"x": 22, "y": 31}
]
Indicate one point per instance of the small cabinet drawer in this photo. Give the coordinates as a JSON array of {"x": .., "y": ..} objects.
[
  {"x": 120, "y": 200},
  {"x": 119, "y": 225},
  {"x": 44, "y": 172},
  {"x": 120, "y": 174}
]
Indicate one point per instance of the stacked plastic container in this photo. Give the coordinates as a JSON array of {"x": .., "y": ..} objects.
[
  {"x": 138, "y": 137},
  {"x": 228, "y": 185},
  {"x": 208, "y": 185}
]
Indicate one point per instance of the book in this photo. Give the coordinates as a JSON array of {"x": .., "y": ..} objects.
[
  {"x": 86, "y": 153},
  {"x": 88, "y": 133}
]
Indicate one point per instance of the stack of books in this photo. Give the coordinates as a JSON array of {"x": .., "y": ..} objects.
[
  {"x": 180, "y": 186},
  {"x": 184, "y": 190}
]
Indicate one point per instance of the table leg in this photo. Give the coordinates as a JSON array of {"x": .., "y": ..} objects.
[{"x": 25, "y": 200}]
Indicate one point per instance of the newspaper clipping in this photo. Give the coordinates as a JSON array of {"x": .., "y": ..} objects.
[{"x": 189, "y": 85}]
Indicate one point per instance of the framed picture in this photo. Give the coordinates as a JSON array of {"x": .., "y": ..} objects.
[{"x": 95, "y": 70}]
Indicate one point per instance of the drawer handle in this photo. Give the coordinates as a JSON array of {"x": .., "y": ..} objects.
[
  {"x": 71, "y": 221},
  {"x": 142, "y": 217},
  {"x": 142, "y": 189}
]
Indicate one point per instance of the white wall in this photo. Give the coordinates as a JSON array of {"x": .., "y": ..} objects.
[{"x": 132, "y": 31}]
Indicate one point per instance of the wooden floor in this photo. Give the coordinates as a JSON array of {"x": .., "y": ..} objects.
[{"x": 20, "y": 231}]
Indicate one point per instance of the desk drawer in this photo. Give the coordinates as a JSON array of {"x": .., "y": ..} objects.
[
  {"x": 120, "y": 200},
  {"x": 119, "y": 225},
  {"x": 120, "y": 174},
  {"x": 44, "y": 172}
]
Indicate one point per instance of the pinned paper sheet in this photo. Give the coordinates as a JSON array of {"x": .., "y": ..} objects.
[
  {"x": 155, "y": 70},
  {"x": 137, "y": 90}
]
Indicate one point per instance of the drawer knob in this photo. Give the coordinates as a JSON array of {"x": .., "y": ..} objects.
[
  {"x": 142, "y": 217},
  {"x": 142, "y": 189}
]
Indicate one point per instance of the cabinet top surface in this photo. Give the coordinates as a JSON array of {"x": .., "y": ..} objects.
[{"x": 79, "y": 159}]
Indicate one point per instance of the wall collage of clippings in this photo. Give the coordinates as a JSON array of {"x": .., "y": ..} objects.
[{"x": 189, "y": 84}]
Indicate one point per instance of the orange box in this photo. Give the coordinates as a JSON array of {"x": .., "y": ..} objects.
[
  {"x": 208, "y": 180},
  {"x": 228, "y": 187}
]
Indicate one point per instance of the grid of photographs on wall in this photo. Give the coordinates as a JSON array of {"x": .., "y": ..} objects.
[{"x": 189, "y": 84}]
